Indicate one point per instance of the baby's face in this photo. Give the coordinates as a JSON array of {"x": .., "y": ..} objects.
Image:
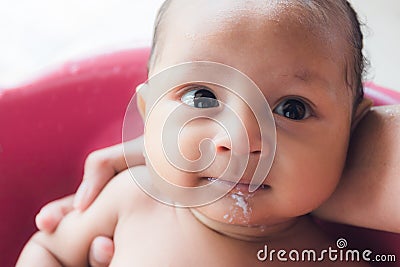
[{"x": 302, "y": 77}]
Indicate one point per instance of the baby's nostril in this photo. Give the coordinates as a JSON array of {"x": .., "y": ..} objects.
[{"x": 222, "y": 149}]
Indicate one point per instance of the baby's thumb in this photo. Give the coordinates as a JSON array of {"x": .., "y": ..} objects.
[{"x": 101, "y": 252}]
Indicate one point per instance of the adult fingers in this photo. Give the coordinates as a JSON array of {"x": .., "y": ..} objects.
[
  {"x": 102, "y": 165},
  {"x": 101, "y": 252},
  {"x": 52, "y": 213}
]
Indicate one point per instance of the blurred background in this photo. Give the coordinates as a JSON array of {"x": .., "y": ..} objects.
[{"x": 37, "y": 35}]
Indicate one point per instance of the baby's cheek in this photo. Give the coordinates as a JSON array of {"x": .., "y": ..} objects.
[
  {"x": 196, "y": 141},
  {"x": 303, "y": 177},
  {"x": 176, "y": 158},
  {"x": 189, "y": 141},
  {"x": 320, "y": 178}
]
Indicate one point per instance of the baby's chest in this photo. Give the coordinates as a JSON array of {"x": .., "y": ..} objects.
[
  {"x": 180, "y": 241},
  {"x": 148, "y": 243},
  {"x": 166, "y": 240}
]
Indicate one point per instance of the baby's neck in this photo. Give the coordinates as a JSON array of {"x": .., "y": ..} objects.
[{"x": 297, "y": 227}]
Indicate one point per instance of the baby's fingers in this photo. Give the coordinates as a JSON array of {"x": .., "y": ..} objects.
[{"x": 50, "y": 215}]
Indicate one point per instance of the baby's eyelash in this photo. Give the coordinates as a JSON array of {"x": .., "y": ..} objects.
[
  {"x": 186, "y": 88},
  {"x": 294, "y": 108},
  {"x": 199, "y": 96}
]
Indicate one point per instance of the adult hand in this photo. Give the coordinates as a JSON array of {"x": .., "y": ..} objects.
[
  {"x": 367, "y": 195},
  {"x": 47, "y": 220},
  {"x": 101, "y": 166}
]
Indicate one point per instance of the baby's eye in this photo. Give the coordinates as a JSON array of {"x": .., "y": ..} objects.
[
  {"x": 200, "y": 97},
  {"x": 293, "y": 109}
]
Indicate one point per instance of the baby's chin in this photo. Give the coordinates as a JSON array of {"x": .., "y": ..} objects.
[{"x": 241, "y": 215}]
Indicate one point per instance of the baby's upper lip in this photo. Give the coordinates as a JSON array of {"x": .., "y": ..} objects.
[{"x": 246, "y": 178}]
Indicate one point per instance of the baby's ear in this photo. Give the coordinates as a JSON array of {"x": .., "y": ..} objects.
[
  {"x": 140, "y": 99},
  {"x": 361, "y": 111}
]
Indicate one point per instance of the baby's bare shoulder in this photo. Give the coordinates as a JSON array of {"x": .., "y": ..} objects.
[{"x": 125, "y": 190}]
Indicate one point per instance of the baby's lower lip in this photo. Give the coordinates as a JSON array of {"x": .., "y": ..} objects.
[{"x": 238, "y": 186}]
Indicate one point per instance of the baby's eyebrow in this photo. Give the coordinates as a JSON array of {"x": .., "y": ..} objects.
[
  {"x": 309, "y": 76},
  {"x": 303, "y": 74}
]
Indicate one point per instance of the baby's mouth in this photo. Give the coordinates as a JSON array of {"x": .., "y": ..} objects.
[
  {"x": 242, "y": 185},
  {"x": 234, "y": 215}
]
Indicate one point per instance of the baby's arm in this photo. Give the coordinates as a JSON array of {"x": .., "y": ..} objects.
[
  {"x": 69, "y": 244},
  {"x": 369, "y": 192}
]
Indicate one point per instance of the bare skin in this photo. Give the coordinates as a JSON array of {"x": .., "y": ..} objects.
[
  {"x": 134, "y": 219},
  {"x": 368, "y": 161},
  {"x": 149, "y": 241},
  {"x": 370, "y": 182}
]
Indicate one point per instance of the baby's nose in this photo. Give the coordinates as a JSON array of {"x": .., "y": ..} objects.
[{"x": 241, "y": 133}]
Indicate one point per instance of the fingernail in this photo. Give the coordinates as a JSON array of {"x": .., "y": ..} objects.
[{"x": 81, "y": 195}]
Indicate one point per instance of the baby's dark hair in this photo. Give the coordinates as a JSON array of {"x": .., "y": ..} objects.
[{"x": 336, "y": 15}]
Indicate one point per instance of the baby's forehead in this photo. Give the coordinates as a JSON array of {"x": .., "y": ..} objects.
[
  {"x": 238, "y": 22},
  {"x": 203, "y": 25},
  {"x": 301, "y": 11},
  {"x": 193, "y": 18}
]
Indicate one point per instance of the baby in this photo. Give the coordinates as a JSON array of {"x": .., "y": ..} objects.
[{"x": 305, "y": 56}]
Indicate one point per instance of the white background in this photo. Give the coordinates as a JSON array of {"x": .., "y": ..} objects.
[{"x": 36, "y": 35}]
